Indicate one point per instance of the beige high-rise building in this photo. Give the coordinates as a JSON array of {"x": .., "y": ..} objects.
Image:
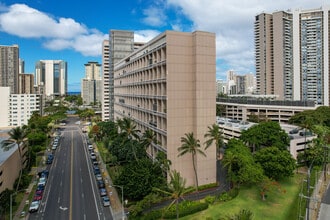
[
  {"x": 292, "y": 54},
  {"x": 168, "y": 86},
  {"x": 91, "y": 85},
  {"x": 9, "y": 67},
  {"x": 26, "y": 83}
]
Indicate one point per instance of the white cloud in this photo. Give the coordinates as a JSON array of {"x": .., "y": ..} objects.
[
  {"x": 154, "y": 16},
  {"x": 58, "y": 34},
  {"x": 232, "y": 21},
  {"x": 145, "y": 35}
]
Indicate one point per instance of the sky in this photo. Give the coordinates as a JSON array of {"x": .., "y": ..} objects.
[{"x": 73, "y": 30}]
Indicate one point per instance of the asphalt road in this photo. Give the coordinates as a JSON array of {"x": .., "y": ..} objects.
[
  {"x": 71, "y": 192},
  {"x": 324, "y": 213}
]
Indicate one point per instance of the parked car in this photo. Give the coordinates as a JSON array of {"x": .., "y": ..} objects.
[
  {"x": 294, "y": 131},
  {"x": 105, "y": 201},
  {"x": 38, "y": 195},
  {"x": 42, "y": 181},
  {"x": 93, "y": 156},
  {"x": 100, "y": 184},
  {"x": 34, "y": 206},
  {"x": 90, "y": 147},
  {"x": 43, "y": 173},
  {"x": 98, "y": 177},
  {"x": 49, "y": 161},
  {"x": 103, "y": 192},
  {"x": 97, "y": 170},
  {"x": 40, "y": 187}
]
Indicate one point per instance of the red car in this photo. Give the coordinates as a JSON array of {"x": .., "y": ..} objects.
[{"x": 38, "y": 195}]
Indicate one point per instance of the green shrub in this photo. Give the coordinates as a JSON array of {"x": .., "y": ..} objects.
[
  {"x": 185, "y": 208},
  {"x": 145, "y": 203},
  {"x": 223, "y": 197},
  {"x": 207, "y": 186},
  {"x": 210, "y": 199}
]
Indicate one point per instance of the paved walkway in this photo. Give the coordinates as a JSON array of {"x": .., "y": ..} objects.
[
  {"x": 25, "y": 201},
  {"x": 116, "y": 206}
]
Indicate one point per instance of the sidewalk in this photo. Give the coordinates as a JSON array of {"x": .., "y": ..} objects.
[
  {"x": 116, "y": 205},
  {"x": 25, "y": 201}
]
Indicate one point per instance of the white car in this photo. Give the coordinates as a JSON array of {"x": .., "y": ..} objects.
[
  {"x": 93, "y": 156},
  {"x": 42, "y": 181},
  {"x": 106, "y": 201},
  {"x": 98, "y": 177},
  {"x": 90, "y": 147},
  {"x": 34, "y": 206}
]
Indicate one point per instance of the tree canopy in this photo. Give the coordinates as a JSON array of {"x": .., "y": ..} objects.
[
  {"x": 265, "y": 134},
  {"x": 139, "y": 178},
  {"x": 240, "y": 165},
  {"x": 276, "y": 163}
]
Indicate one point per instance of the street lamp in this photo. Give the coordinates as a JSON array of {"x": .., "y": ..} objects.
[
  {"x": 11, "y": 203},
  {"x": 122, "y": 199}
]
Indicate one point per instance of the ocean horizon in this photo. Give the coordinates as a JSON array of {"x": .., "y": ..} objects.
[{"x": 74, "y": 93}]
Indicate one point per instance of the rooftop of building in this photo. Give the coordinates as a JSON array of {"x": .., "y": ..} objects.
[
  {"x": 256, "y": 100},
  {"x": 5, "y": 153},
  {"x": 293, "y": 131}
]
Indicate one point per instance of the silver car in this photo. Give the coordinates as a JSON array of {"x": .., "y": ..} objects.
[{"x": 106, "y": 201}]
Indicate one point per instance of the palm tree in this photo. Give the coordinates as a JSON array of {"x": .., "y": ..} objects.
[
  {"x": 230, "y": 162},
  {"x": 163, "y": 162},
  {"x": 214, "y": 135},
  {"x": 176, "y": 189},
  {"x": 129, "y": 132},
  {"x": 148, "y": 138},
  {"x": 18, "y": 136},
  {"x": 192, "y": 146},
  {"x": 128, "y": 128}
]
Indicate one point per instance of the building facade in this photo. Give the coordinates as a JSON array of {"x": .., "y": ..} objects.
[
  {"x": 9, "y": 166},
  {"x": 292, "y": 54},
  {"x": 168, "y": 86},
  {"x": 91, "y": 85},
  {"x": 105, "y": 81},
  {"x": 52, "y": 75},
  {"x": 26, "y": 84},
  {"x": 9, "y": 67},
  {"x": 17, "y": 109},
  {"x": 280, "y": 111}
]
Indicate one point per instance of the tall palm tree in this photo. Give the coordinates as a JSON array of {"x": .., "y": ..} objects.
[
  {"x": 148, "y": 138},
  {"x": 129, "y": 132},
  {"x": 128, "y": 128},
  {"x": 230, "y": 162},
  {"x": 191, "y": 145},
  {"x": 176, "y": 189},
  {"x": 214, "y": 135},
  {"x": 18, "y": 136},
  {"x": 163, "y": 162}
]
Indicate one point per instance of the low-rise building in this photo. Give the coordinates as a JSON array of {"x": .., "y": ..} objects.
[
  {"x": 16, "y": 109},
  {"x": 232, "y": 128},
  {"x": 9, "y": 166}
]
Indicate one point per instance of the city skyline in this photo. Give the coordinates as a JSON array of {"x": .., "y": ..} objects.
[{"x": 74, "y": 33}]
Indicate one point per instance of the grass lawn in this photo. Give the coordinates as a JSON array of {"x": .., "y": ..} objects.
[{"x": 278, "y": 205}]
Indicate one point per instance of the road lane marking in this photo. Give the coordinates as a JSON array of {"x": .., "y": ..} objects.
[{"x": 70, "y": 215}]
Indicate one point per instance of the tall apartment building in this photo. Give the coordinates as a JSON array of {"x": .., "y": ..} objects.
[
  {"x": 91, "y": 85},
  {"x": 168, "y": 86},
  {"x": 292, "y": 54},
  {"x": 16, "y": 109},
  {"x": 240, "y": 84},
  {"x": 26, "y": 83},
  {"x": 52, "y": 75},
  {"x": 105, "y": 81},
  {"x": 9, "y": 67}
]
